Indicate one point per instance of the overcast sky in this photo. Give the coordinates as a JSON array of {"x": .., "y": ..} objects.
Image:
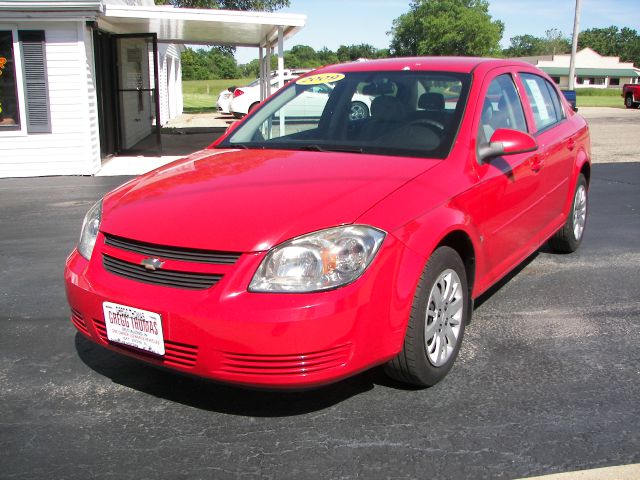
[{"x": 331, "y": 23}]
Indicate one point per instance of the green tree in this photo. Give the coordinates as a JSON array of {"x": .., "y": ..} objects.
[
  {"x": 301, "y": 56},
  {"x": 446, "y": 27},
  {"x": 208, "y": 64},
  {"x": 349, "y": 53},
  {"x": 260, "y": 5},
  {"x": 611, "y": 41},
  {"x": 553, "y": 42},
  {"x": 523, "y": 46}
]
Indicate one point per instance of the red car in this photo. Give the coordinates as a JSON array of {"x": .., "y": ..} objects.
[{"x": 296, "y": 251}]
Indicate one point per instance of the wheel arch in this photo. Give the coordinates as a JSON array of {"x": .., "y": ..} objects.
[{"x": 461, "y": 242}]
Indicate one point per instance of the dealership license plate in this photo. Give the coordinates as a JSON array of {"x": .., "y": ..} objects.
[{"x": 134, "y": 327}]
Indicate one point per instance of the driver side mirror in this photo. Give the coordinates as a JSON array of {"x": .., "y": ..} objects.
[{"x": 505, "y": 141}]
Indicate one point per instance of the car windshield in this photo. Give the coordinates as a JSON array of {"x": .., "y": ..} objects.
[{"x": 407, "y": 113}]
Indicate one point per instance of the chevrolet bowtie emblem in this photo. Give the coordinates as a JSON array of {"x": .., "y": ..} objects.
[{"x": 152, "y": 263}]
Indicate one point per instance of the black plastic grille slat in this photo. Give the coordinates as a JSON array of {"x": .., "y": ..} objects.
[
  {"x": 172, "y": 253},
  {"x": 168, "y": 278}
]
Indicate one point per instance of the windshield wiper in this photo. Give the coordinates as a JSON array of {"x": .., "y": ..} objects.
[{"x": 330, "y": 148}]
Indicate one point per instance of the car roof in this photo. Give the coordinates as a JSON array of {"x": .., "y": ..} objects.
[{"x": 446, "y": 64}]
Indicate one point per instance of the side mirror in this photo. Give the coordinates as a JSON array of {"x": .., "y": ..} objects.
[{"x": 505, "y": 141}]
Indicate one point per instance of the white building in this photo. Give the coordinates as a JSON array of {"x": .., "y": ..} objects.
[
  {"x": 81, "y": 80},
  {"x": 592, "y": 69}
]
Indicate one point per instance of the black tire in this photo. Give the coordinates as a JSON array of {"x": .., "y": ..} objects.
[
  {"x": 253, "y": 106},
  {"x": 569, "y": 237},
  {"x": 628, "y": 101},
  {"x": 414, "y": 364},
  {"x": 238, "y": 115},
  {"x": 358, "y": 111}
]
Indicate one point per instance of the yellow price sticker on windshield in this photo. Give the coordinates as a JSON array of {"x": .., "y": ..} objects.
[{"x": 320, "y": 78}]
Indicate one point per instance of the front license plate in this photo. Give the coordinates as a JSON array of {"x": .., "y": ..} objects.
[{"x": 134, "y": 327}]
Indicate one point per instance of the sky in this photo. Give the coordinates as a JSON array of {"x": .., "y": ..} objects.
[{"x": 331, "y": 23}]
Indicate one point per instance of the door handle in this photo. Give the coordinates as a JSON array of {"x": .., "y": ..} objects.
[
  {"x": 537, "y": 162},
  {"x": 571, "y": 144}
]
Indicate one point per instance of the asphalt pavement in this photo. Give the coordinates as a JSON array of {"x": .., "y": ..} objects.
[{"x": 548, "y": 378}]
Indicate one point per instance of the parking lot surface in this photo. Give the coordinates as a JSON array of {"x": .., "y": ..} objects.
[{"x": 548, "y": 378}]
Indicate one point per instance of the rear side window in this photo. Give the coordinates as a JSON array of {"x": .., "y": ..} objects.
[{"x": 546, "y": 106}]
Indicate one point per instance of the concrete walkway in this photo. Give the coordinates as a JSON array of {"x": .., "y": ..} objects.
[{"x": 182, "y": 136}]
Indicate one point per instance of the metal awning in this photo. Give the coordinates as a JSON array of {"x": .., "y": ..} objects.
[
  {"x": 200, "y": 26},
  {"x": 593, "y": 72}
]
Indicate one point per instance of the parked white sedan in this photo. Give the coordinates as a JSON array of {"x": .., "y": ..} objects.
[
  {"x": 311, "y": 103},
  {"x": 224, "y": 100},
  {"x": 247, "y": 98}
]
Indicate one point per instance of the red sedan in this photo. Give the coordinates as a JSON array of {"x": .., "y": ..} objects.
[{"x": 303, "y": 248}]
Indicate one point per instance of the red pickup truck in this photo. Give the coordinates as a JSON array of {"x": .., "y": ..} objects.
[{"x": 631, "y": 95}]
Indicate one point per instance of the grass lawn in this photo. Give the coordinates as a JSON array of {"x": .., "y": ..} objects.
[
  {"x": 200, "y": 95},
  {"x": 598, "y": 97},
  {"x": 594, "y": 101}
]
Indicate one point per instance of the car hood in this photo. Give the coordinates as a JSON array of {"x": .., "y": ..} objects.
[{"x": 251, "y": 200}]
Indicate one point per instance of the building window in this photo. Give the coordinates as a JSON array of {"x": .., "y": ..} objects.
[
  {"x": 34, "y": 114},
  {"x": 556, "y": 80},
  {"x": 9, "y": 105},
  {"x": 614, "y": 82}
]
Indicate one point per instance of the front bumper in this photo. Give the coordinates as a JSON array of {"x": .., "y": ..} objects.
[{"x": 272, "y": 340}]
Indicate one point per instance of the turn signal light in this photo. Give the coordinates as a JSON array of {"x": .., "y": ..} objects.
[{"x": 237, "y": 92}]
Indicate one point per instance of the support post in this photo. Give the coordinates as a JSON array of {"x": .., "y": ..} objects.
[{"x": 574, "y": 47}]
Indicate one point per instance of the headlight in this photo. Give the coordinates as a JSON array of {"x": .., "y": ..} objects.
[
  {"x": 90, "y": 228},
  {"x": 318, "y": 261}
]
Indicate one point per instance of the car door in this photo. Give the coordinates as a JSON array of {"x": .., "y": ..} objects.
[
  {"x": 556, "y": 142},
  {"x": 507, "y": 185}
]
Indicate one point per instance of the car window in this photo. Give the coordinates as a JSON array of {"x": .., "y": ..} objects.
[
  {"x": 544, "y": 101},
  {"x": 501, "y": 109},
  {"x": 413, "y": 113}
]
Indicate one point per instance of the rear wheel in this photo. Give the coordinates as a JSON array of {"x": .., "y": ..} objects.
[
  {"x": 253, "y": 106},
  {"x": 569, "y": 237},
  {"x": 628, "y": 101},
  {"x": 358, "y": 111},
  {"x": 440, "y": 311}
]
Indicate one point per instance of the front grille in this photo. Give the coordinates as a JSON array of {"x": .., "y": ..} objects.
[
  {"x": 176, "y": 354},
  {"x": 172, "y": 253},
  {"x": 167, "y": 278},
  {"x": 290, "y": 364}
]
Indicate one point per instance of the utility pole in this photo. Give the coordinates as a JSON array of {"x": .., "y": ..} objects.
[{"x": 574, "y": 47}]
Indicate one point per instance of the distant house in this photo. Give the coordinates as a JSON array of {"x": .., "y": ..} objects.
[
  {"x": 81, "y": 80},
  {"x": 592, "y": 69}
]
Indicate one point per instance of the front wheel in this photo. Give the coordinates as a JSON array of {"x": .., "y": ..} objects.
[
  {"x": 440, "y": 311},
  {"x": 569, "y": 237}
]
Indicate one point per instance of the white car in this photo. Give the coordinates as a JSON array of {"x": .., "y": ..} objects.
[
  {"x": 311, "y": 103},
  {"x": 224, "y": 100},
  {"x": 247, "y": 98}
]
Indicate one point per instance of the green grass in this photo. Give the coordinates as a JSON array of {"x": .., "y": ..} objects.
[
  {"x": 599, "y": 97},
  {"x": 200, "y": 96}
]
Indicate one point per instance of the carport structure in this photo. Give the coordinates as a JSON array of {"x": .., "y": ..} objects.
[
  {"x": 262, "y": 30},
  {"x": 165, "y": 24}
]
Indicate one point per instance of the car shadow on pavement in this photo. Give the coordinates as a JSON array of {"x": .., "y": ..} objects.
[{"x": 209, "y": 395}]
